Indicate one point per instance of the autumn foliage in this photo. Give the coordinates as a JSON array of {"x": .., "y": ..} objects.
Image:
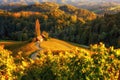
[
  {"x": 103, "y": 63},
  {"x": 37, "y": 28}
]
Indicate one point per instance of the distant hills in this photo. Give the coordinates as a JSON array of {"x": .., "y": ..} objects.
[
  {"x": 97, "y": 6},
  {"x": 54, "y": 7},
  {"x": 51, "y": 7}
]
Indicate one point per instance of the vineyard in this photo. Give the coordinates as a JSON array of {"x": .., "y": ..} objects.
[{"x": 100, "y": 63}]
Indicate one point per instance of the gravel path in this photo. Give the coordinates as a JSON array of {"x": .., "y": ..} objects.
[{"x": 34, "y": 54}]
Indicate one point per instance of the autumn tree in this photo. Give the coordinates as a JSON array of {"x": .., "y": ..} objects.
[{"x": 37, "y": 28}]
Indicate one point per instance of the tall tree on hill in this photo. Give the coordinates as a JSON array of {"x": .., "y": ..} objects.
[{"x": 37, "y": 28}]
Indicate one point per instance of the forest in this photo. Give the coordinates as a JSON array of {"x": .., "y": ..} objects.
[{"x": 64, "y": 22}]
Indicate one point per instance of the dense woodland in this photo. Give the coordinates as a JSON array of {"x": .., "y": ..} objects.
[{"x": 65, "y": 22}]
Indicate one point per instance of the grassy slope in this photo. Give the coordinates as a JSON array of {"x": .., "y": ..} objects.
[
  {"x": 55, "y": 44},
  {"x": 28, "y": 48},
  {"x": 15, "y": 47}
]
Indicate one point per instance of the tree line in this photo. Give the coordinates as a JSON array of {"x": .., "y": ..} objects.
[{"x": 61, "y": 25}]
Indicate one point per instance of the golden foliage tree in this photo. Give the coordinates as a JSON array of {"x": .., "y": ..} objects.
[{"x": 37, "y": 28}]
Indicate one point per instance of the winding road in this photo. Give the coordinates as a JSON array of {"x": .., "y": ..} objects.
[{"x": 34, "y": 54}]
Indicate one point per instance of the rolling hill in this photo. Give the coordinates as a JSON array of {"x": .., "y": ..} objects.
[
  {"x": 27, "y": 48},
  {"x": 58, "y": 45},
  {"x": 96, "y": 6},
  {"x": 99, "y": 7},
  {"x": 18, "y": 46},
  {"x": 49, "y": 7}
]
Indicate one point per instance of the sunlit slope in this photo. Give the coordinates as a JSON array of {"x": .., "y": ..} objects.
[
  {"x": 29, "y": 47},
  {"x": 25, "y": 47},
  {"x": 55, "y": 44}
]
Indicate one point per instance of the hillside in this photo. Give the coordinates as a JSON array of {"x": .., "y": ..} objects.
[
  {"x": 75, "y": 64},
  {"x": 57, "y": 1},
  {"x": 49, "y": 7},
  {"x": 56, "y": 44},
  {"x": 65, "y": 22},
  {"x": 15, "y": 46},
  {"x": 29, "y": 47},
  {"x": 99, "y": 7}
]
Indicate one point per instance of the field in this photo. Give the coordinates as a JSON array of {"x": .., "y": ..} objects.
[
  {"x": 16, "y": 46},
  {"x": 29, "y": 47},
  {"x": 58, "y": 45}
]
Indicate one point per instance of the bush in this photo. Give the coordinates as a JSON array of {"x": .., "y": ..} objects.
[
  {"x": 7, "y": 65},
  {"x": 100, "y": 63},
  {"x": 76, "y": 64}
]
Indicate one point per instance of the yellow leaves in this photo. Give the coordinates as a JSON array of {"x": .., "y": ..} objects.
[
  {"x": 65, "y": 62},
  {"x": 22, "y": 67},
  {"x": 117, "y": 52},
  {"x": 57, "y": 13},
  {"x": 74, "y": 18},
  {"x": 81, "y": 20},
  {"x": 25, "y": 64},
  {"x": 103, "y": 60},
  {"x": 7, "y": 64},
  {"x": 60, "y": 21},
  {"x": 1, "y": 47},
  {"x": 112, "y": 56},
  {"x": 93, "y": 47},
  {"x": 20, "y": 52},
  {"x": 25, "y": 14},
  {"x": 32, "y": 61}
]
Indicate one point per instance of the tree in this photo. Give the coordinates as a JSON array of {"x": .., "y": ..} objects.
[
  {"x": 74, "y": 18},
  {"x": 37, "y": 28},
  {"x": 45, "y": 35}
]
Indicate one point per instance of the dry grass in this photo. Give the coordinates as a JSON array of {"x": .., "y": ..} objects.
[
  {"x": 29, "y": 47},
  {"x": 55, "y": 44},
  {"x": 26, "y": 47}
]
